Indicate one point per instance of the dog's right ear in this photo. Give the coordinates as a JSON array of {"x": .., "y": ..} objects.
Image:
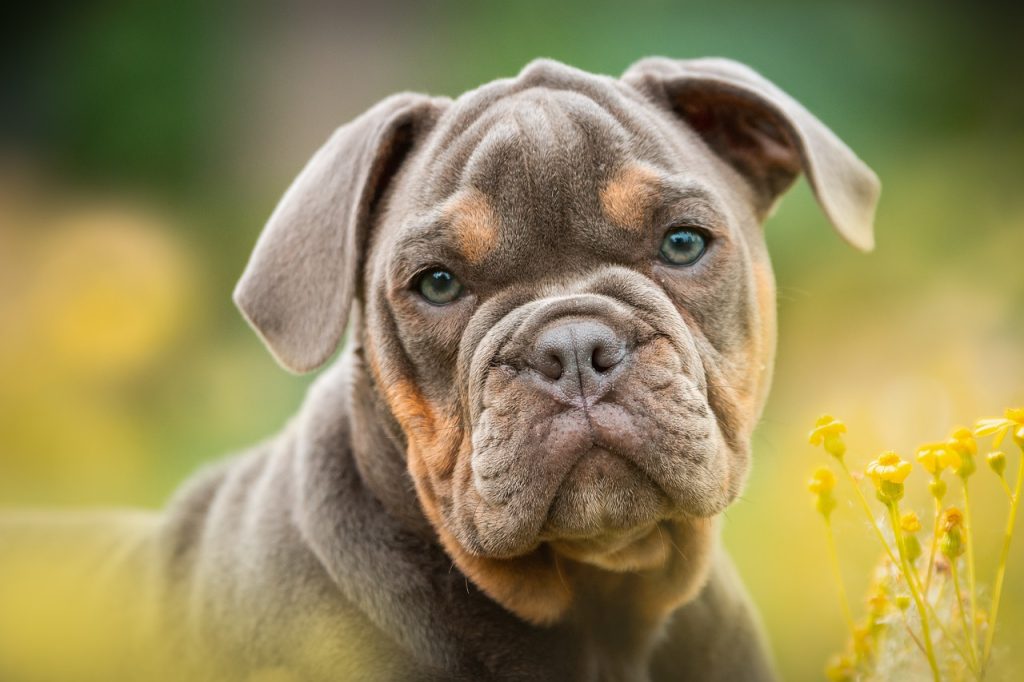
[{"x": 298, "y": 286}]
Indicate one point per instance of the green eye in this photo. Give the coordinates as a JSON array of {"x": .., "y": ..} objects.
[
  {"x": 438, "y": 286},
  {"x": 683, "y": 246}
]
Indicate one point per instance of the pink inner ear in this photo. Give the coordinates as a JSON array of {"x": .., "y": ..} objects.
[{"x": 748, "y": 138}]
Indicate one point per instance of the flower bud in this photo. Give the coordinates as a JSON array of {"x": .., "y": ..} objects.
[
  {"x": 902, "y": 602},
  {"x": 952, "y": 523},
  {"x": 889, "y": 492},
  {"x": 952, "y": 545},
  {"x": 937, "y": 487},
  {"x": 997, "y": 462}
]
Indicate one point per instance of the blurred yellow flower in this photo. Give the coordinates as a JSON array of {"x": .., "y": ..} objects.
[
  {"x": 825, "y": 426},
  {"x": 909, "y": 522},
  {"x": 962, "y": 441},
  {"x": 935, "y": 457},
  {"x": 951, "y": 518},
  {"x": 1012, "y": 422},
  {"x": 822, "y": 481},
  {"x": 889, "y": 467},
  {"x": 828, "y": 431},
  {"x": 111, "y": 291}
]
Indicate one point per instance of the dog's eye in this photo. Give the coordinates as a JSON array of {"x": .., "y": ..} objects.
[
  {"x": 438, "y": 286},
  {"x": 683, "y": 246}
]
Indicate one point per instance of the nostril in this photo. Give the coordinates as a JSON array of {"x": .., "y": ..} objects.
[
  {"x": 549, "y": 364},
  {"x": 605, "y": 357}
]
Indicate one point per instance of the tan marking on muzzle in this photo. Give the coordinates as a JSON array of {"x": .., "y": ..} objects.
[
  {"x": 628, "y": 197},
  {"x": 475, "y": 223},
  {"x": 432, "y": 436}
]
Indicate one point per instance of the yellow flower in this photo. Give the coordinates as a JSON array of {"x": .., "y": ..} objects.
[
  {"x": 910, "y": 523},
  {"x": 821, "y": 485},
  {"x": 888, "y": 472},
  {"x": 935, "y": 457},
  {"x": 822, "y": 481},
  {"x": 1013, "y": 422},
  {"x": 889, "y": 467},
  {"x": 962, "y": 442},
  {"x": 828, "y": 431}
]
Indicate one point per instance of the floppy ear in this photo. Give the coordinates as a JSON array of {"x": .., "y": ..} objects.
[
  {"x": 298, "y": 286},
  {"x": 766, "y": 135}
]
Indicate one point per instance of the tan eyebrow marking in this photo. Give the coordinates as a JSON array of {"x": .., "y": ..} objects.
[
  {"x": 627, "y": 198},
  {"x": 475, "y": 223}
]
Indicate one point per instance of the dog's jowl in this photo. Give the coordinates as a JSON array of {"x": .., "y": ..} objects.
[{"x": 559, "y": 326}]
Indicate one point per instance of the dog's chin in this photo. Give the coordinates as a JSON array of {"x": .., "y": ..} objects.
[
  {"x": 641, "y": 548},
  {"x": 606, "y": 512}
]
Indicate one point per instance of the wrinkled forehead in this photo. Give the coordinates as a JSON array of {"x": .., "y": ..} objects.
[{"x": 516, "y": 179}]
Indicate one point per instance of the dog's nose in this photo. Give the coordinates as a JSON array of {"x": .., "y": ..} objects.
[{"x": 579, "y": 355}]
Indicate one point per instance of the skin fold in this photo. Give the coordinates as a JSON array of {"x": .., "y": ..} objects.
[{"x": 523, "y": 482}]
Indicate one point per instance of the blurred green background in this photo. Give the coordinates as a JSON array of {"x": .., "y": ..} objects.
[{"x": 143, "y": 146}]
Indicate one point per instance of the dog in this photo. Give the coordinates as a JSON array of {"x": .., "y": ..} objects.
[{"x": 562, "y": 335}]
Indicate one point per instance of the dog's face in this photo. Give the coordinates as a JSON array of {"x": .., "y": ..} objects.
[{"x": 567, "y": 304}]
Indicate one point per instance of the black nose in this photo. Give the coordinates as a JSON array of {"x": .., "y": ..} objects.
[{"x": 578, "y": 355}]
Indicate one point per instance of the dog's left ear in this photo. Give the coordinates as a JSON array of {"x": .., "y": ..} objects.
[
  {"x": 298, "y": 286},
  {"x": 766, "y": 135}
]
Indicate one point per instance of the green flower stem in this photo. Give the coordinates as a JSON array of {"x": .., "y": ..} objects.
[
  {"x": 997, "y": 590},
  {"x": 960, "y": 605},
  {"x": 1006, "y": 489},
  {"x": 908, "y": 573},
  {"x": 957, "y": 646},
  {"x": 844, "y": 601},
  {"x": 867, "y": 511},
  {"x": 935, "y": 544},
  {"x": 942, "y": 626},
  {"x": 971, "y": 582}
]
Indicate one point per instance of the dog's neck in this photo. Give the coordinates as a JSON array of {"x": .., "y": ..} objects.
[{"x": 613, "y": 619}]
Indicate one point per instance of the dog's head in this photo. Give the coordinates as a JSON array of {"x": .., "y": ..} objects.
[{"x": 565, "y": 297}]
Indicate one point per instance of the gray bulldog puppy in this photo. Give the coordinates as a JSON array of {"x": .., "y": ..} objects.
[{"x": 563, "y": 329}]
